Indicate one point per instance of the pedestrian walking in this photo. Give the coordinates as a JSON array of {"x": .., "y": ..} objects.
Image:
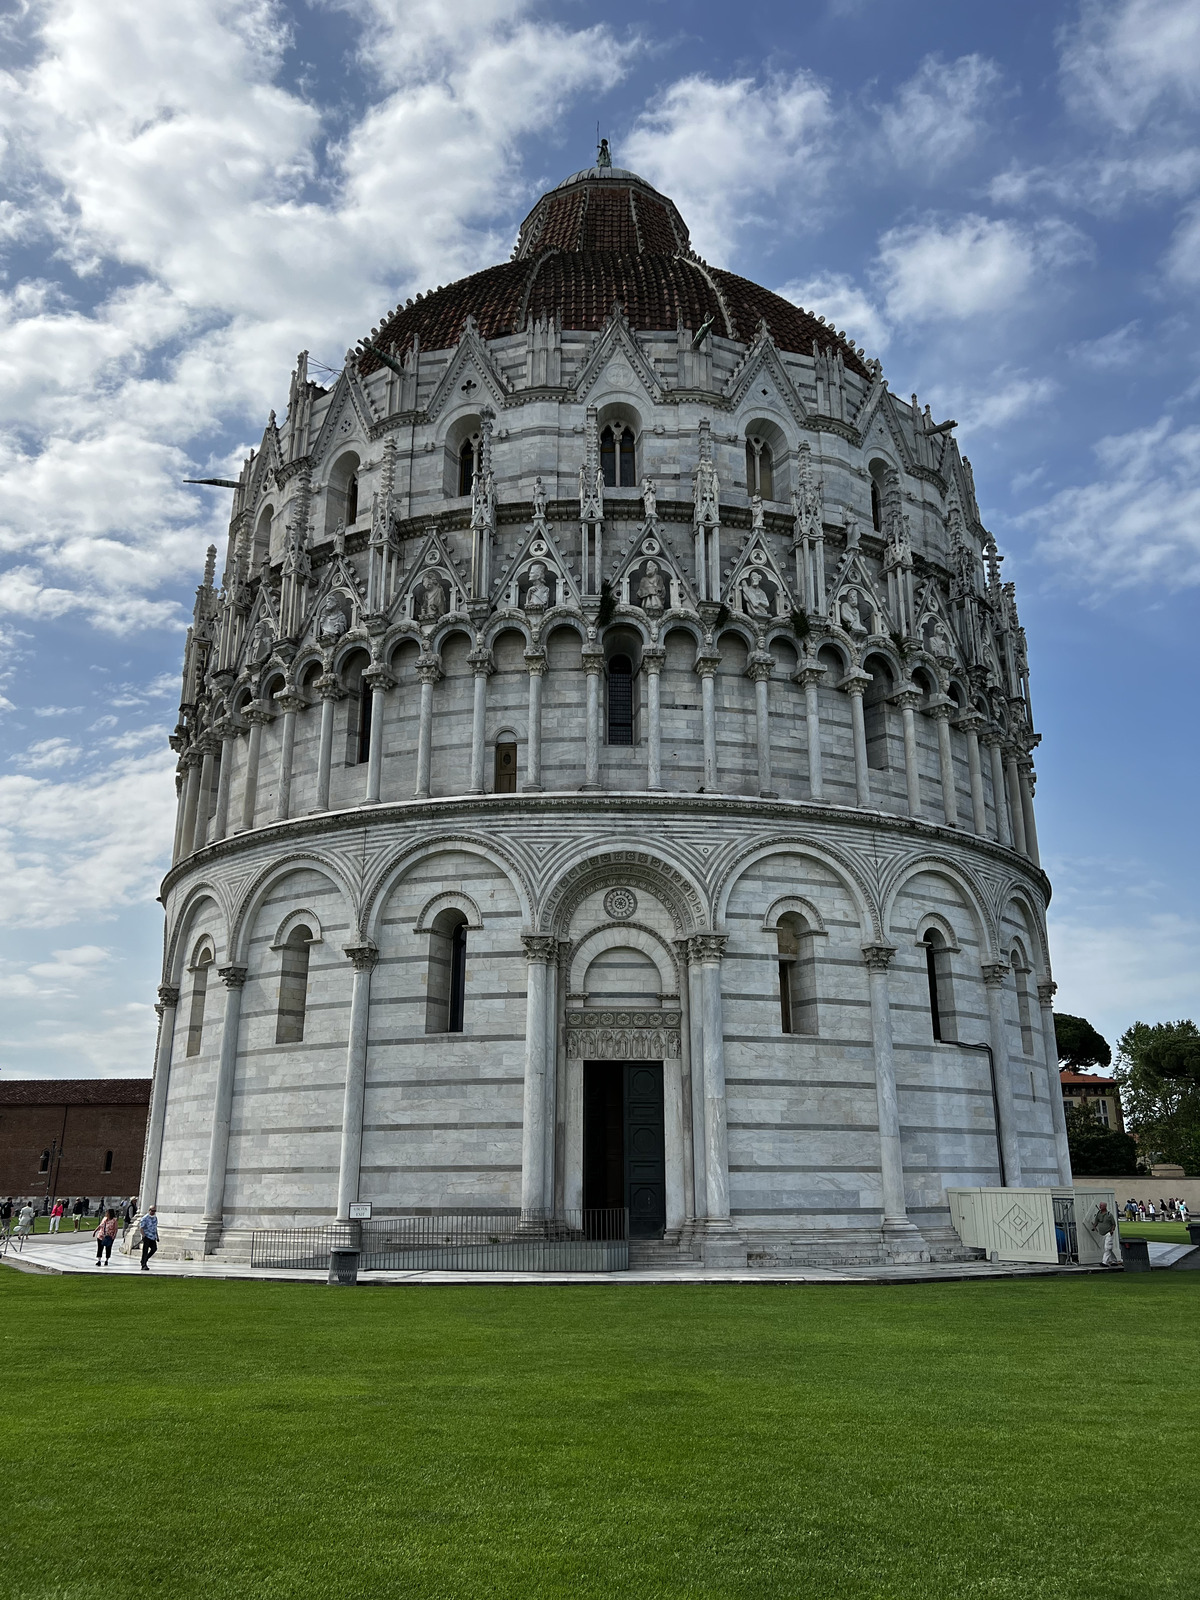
[
  {"x": 6, "y": 1211},
  {"x": 104, "y": 1235},
  {"x": 1183, "y": 1211},
  {"x": 25, "y": 1220},
  {"x": 78, "y": 1212},
  {"x": 149, "y": 1227},
  {"x": 56, "y": 1215},
  {"x": 127, "y": 1216},
  {"x": 1106, "y": 1224}
]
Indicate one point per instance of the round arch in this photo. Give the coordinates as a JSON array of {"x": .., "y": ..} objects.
[
  {"x": 619, "y": 936},
  {"x": 383, "y": 883},
  {"x": 682, "y": 896},
  {"x": 1034, "y": 920},
  {"x": 972, "y": 893},
  {"x": 177, "y": 940},
  {"x": 841, "y": 868},
  {"x": 257, "y": 891}
]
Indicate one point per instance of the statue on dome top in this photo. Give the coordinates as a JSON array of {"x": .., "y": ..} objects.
[{"x": 603, "y": 155}]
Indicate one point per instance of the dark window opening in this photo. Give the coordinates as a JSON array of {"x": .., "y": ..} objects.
[
  {"x": 293, "y": 986},
  {"x": 44, "y": 1163},
  {"x": 760, "y": 469},
  {"x": 876, "y": 508},
  {"x": 108, "y": 1160},
  {"x": 467, "y": 466},
  {"x": 935, "y": 1011},
  {"x": 505, "y": 776},
  {"x": 941, "y": 987},
  {"x": 620, "y": 700},
  {"x": 352, "y": 500},
  {"x": 618, "y": 462},
  {"x": 196, "y": 1013},
  {"x": 797, "y": 975},
  {"x": 875, "y": 716},
  {"x": 366, "y": 704},
  {"x": 446, "y": 978}
]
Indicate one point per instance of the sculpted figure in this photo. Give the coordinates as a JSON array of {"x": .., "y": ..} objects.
[
  {"x": 537, "y": 595},
  {"x": 755, "y": 599},
  {"x": 849, "y": 615},
  {"x": 260, "y": 644},
  {"x": 939, "y": 641},
  {"x": 333, "y": 620},
  {"x": 433, "y": 603},
  {"x": 651, "y": 590},
  {"x": 649, "y": 500},
  {"x": 539, "y": 499},
  {"x": 757, "y": 519}
]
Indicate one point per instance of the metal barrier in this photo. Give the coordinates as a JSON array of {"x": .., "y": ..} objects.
[{"x": 457, "y": 1241}]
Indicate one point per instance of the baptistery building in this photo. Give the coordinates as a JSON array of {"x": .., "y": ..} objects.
[{"x": 605, "y": 781}]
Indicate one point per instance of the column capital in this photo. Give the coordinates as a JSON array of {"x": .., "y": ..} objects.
[
  {"x": 540, "y": 947},
  {"x": 907, "y": 697},
  {"x": 378, "y": 677},
  {"x": 290, "y": 699},
  {"x": 703, "y": 947},
  {"x": 991, "y": 737},
  {"x": 428, "y": 669},
  {"x": 760, "y": 666},
  {"x": 878, "y": 957},
  {"x": 232, "y": 977},
  {"x": 855, "y": 682},
  {"x": 809, "y": 672},
  {"x": 593, "y": 660},
  {"x": 258, "y": 713},
  {"x": 940, "y": 707},
  {"x": 994, "y": 973},
  {"x": 363, "y": 953},
  {"x": 328, "y": 687},
  {"x": 970, "y": 721},
  {"x": 193, "y": 756},
  {"x": 535, "y": 663},
  {"x": 706, "y": 666},
  {"x": 1046, "y": 992},
  {"x": 654, "y": 658},
  {"x": 481, "y": 663},
  {"x": 168, "y": 996}
]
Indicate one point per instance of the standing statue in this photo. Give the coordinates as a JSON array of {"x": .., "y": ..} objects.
[
  {"x": 649, "y": 500},
  {"x": 756, "y": 601},
  {"x": 758, "y": 519},
  {"x": 539, "y": 500},
  {"x": 433, "y": 603},
  {"x": 537, "y": 595},
  {"x": 651, "y": 591}
]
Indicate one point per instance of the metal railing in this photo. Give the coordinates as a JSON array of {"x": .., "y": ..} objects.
[{"x": 457, "y": 1241}]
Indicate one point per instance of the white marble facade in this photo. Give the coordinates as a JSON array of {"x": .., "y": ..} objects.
[{"x": 632, "y": 757}]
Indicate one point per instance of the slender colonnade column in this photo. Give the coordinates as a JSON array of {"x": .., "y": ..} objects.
[
  {"x": 908, "y": 700},
  {"x": 854, "y": 684},
  {"x": 970, "y": 723},
  {"x": 364, "y": 956},
  {"x": 940, "y": 711},
  {"x": 1016, "y": 815},
  {"x": 289, "y": 702},
  {"x": 540, "y": 952},
  {"x": 992, "y": 741},
  {"x": 330, "y": 691},
  {"x": 234, "y": 979},
  {"x": 652, "y": 663},
  {"x": 994, "y": 974},
  {"x": 220, "y": 822},
  {"x": 705, "y": 951},
  {"x": 695, "y": 1009},
  {"x": 480, "y": 662},
  {"x": 535, "y": 664},
  {"x": 206, "y": 773},
  {"x": 1025, "y": 785},
  {"x": 428, "y": 671},
  {"x": 593, "y": 665},
  {"x": 258, "y": 716},
  {"x": 760, "y": 671},
  {"x": 168, "y": 1001},
  {"x": 191, "y": 800},
  {"x": 378, "y": 681},
  {"x": 706, "y": 668},
  {"x": 891, "y": 1165},
  {"x": 810, "y": 676},
  {"x": 1062, "y": 1149}
]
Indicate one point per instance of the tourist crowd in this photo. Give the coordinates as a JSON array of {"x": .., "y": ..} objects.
[{"x": 1165, "y": 1211}]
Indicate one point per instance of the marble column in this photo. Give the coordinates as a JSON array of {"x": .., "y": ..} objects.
[
  {"x": 652, "y": 665},
  {"x": 1062, "y": 1149},
  {"x": 535, "y": 665},
  {"x": 759, "y": 671},
  {"x": 227, "y": 730},
  {"x": 330, "y": 691},
  {"x": 1013, "y": 791},
  {"x": 428, "y": 671},
  {"x": 376, "y": 681},
  {"x": 593, "y": 665},
  {"x": 705, "y": 951},
  {"x": 234, "y": 979},
  {"x": 480, "y": 662},
  {"x": 970, "y": 722},
  {"x": 854, "y": 684},
  {"x": 181, "y": 773},
  {"x": 541, "y": 952},
  {"x": 1025, "y": 786},
  {"x": 908, "y": 701},
  {"x": 695, "y": 1024},
  {"x": 168, "y": 1002},
  {"x": 209, "y": 748},
  {"x": 191, "y": 800},
  {"x": 810, "y": 676},
  {"x": 258, "y": 716},
  {"x": 891, "y": 1163},
  {"x": 289, "y": 702},
  {"x": 364, "y": 955},
  {"x": 940, "y": 712},
  {"x": 994, "y": 976},
  {"x": 706, "y": 669},
  {"x": 992, "y": 742}
]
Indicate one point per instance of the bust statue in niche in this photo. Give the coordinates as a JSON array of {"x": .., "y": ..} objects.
[
  {"x": 334, "y": 622},
  {"x": 433, "y": 597},
  {"x": 651, "y": 591},
  {"x": 537, "y": 592},
  {"x": 757, "y": 600},
  {"x": 849, "y": 615}
]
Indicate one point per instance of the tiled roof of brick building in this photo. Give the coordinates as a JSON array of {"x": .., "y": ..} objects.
[
  {"x": 1089, "y": 1078},
  {"x": 74, "y": 1091},
  {"x": 603, "y": 237}
]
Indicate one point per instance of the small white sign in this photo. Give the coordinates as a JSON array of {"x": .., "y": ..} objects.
[{"x": 360, "y": 1211}]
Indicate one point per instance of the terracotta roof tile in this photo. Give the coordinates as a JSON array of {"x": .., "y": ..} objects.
[{"x": 74, "y": 1091}]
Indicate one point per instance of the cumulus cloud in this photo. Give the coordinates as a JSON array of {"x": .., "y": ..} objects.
[
  {"x": 842, "y": 302},
  {"x": 939, "y": 114},
  {"x": 968, "y": 266},
  {"x": 736, "y": 150},
  {"x": 1138, "y": 521},
  {"x": 47, "y": 754},
  {"x": 998, "y": 400},
  {"x": 1126, "y": 60}
]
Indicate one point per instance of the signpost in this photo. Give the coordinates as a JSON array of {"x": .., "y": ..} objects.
[{"x": 360, "y": 1211}]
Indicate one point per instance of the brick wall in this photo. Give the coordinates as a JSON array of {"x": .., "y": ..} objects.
[{"x": 85, "y": 1130}]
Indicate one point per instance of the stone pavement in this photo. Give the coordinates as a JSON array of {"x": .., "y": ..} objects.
[{"x": 76, "y": 1254}]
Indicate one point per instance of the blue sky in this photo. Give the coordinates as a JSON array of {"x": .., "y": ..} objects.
[{"x": 1002, "y": 202}]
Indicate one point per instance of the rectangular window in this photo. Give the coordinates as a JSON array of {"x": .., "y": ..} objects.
[{"x": 505, "y": 775}]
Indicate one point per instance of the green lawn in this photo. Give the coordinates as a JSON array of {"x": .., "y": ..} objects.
[
  {"x": 1164, "y": 1232},
  {"x": 258, "y": 1440}
]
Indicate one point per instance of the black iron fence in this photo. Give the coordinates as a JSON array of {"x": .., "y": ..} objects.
[{"x": 457, "y": 1241}]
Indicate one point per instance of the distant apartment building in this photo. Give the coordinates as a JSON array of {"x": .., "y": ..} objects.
[
  {"x": 72, "y": 1136},
  {"x": 1087, "y": 1088}
]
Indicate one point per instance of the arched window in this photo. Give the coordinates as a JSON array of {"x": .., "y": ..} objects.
[
  {"x": 797, "y": 975},
  {"x": 352, "y": 500},
  {"x": 293, "y": 986},
  {"x": 468, "y": 464},
  {"x": 760, "y": 468},
  {"x": 876, "y": 507},
  {"x": 200, "y": 972},
  {"x": 1024, "y": 1013},
  {"x": 366, "y": 703},
  {"x": 941, "y": 986},
  {"x": 505, "y": 773},
  {"x": 618, "y": 460},
  {"x": 875, "y": 714},
  {"x": 446, "y": 988},
  {"x": 108, "y": 1160},
  {"x": 44, "y": 1163},
  {"x": 620, "y": 700}
]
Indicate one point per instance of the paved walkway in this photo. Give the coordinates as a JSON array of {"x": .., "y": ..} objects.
[{"x": 76, "y": 1253}]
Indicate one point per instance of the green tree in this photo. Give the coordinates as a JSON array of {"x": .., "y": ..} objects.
[
  {"x": 1098, "y": 1151},
  {"x": 1158, "y": 1071},
  {"x": 1078, "y": 1043}
]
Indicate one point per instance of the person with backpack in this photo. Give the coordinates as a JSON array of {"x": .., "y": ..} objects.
[{"x": 104, "y": 1235}]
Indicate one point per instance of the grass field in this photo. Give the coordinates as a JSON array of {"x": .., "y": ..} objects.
[
  {"x": 277, "y": 1440},
  {"x": 1164, "y": 1232}
]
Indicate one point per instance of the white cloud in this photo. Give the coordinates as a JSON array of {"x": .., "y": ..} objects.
[
  {"x": 735, "y": 151},
  {"x": 1127, "y": 59},
  {"x": 48, "y": 754},
  {"x": 70, "y": 850},
  {"x": 995, "y": 401},
  {"x": 1138, "y": 521},
  {"x": 843, "y": 303},
  {"x": 938, "y": 115},
  {"x": 1183, "y": 257},
  {"x": 969, "y": 266},
  {"x": 1114, "y": 351}
]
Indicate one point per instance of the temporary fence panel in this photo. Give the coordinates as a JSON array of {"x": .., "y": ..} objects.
[
  {"x": 1010, "y": 1224},
  {"x": 1087, "y": 1212}
]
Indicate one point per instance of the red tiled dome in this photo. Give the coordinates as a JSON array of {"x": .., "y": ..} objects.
[{"x": 603, "y": 236}]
